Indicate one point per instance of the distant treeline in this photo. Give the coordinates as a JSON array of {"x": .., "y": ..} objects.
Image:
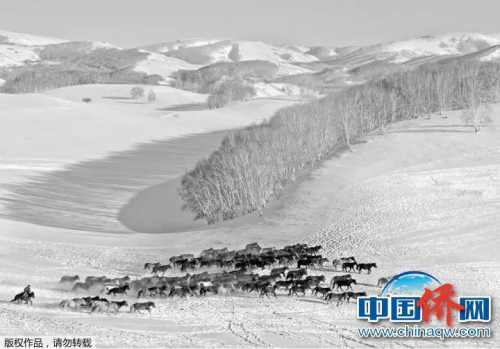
[
  {"x": 230, "y": 91},
  {"x": 70, "y": 64},
  {"x": 226, "y": 82},
  {"x": 253, "y": 165},
  {"x": 209, "y": 78}
]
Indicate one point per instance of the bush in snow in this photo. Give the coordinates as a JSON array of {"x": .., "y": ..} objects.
[
  {"x": 151, "y": 96},
  {"x": 137, "y": 92}
]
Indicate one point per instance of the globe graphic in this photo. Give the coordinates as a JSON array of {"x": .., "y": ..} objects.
[{"x": 410, "y": 283}]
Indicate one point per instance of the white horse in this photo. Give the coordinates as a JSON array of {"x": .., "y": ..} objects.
[
  {"x": 226, "y": 290},
  {"x": 73, "y": 303}
]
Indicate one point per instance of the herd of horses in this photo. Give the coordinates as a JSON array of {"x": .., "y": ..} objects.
[{"x": 237, "y": 271}]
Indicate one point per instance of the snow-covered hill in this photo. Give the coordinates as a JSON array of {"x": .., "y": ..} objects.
[
  {"x": 180, "y": 44},
  {"x": 224, "y": 50},
  {"x": 163, "y": 65},
  {"x": 451, "y": 44},
  {"x": 491, "y": 54},
  {"x": 7, "y": 37},
  {"x": 190, "y": 54},
  {"x": 13, "y": 55},
  {"x": 17, "y": 49}
]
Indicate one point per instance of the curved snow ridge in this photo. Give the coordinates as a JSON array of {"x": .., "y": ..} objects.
[
  {"x": 431, "y": 45},
  {"x": 493, "y": 56},
  {"x": 257, "y": 50},
  {"x": 28, "y": 39},
  {"x": 157, "y": 63},
  {"x": 32, "y": 164},
  {"x": 180, "y": 44}
]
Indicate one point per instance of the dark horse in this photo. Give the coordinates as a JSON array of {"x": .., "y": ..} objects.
[
  {"x": 119, "y": 290},
  {"x": 342, "y": 283},
  {"x": 349, "y": 265},
  {"x": 367, "y": 266},
  {"x": 22, "y": 297},
  {"x": 137, "y": 307}
]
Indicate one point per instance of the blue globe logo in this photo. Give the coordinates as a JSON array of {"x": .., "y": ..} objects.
[{"x": 410, "y": 283}]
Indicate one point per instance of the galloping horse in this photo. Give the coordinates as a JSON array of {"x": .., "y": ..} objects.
[{"x": 22, "y": 297}]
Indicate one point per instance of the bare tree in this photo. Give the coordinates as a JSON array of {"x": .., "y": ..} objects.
[{"x": 476, "y": 112}]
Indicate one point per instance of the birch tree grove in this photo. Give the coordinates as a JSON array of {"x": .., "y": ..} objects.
[{"x": 253, "y": 165}]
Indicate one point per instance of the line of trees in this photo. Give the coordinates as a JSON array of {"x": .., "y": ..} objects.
[
  {"x": 70, "y": 64},
  {"x": 47, "y": 77},
  {"x": 208, "y": 79},
  {"x": 253, "y": 165}
]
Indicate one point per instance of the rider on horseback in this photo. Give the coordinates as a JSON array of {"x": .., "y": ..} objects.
[{"x": 26, "y": 291}]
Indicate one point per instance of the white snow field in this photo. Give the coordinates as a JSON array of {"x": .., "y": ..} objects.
[
  {"x": 422, "y": 195},
  {"x": 162, "y": 65},
  {"x": 47, "y": 135}
]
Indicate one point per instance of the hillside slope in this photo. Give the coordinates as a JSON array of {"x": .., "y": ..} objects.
[
  {"x": 431, "y": 45},
  {"x": 7, "y": 37}
]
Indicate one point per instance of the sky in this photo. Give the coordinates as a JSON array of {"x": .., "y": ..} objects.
[{"x": 333, "y": 23}]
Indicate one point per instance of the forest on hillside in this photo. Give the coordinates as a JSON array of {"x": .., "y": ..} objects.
[
  {"x": 253, "y": 165},
  {"x": 70, "y": 64}
]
